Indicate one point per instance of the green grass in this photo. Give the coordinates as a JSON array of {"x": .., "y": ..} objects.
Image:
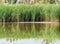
[{"x": 13, "y": 13}]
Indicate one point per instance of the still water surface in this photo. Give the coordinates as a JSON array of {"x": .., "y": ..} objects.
[
  {"x": 30, "y": 31},
  {"x": 27, "y": 41}
]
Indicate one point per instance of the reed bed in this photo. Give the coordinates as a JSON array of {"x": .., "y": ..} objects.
[{"x": 29, "y": 13}]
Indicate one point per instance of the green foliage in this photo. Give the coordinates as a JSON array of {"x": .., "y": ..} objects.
[
  {"x": 29, "y": 12},
  {"x": 52, "y": 1}
]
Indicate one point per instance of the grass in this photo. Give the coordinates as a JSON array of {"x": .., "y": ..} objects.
[{"x": 20, "y": 13}]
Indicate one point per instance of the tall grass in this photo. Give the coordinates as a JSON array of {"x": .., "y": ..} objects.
[{"x": 20, "y": 13}]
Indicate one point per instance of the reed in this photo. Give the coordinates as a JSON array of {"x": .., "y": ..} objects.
[{"x": 29, "y": 13}]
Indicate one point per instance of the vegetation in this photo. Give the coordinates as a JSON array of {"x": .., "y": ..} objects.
[
  {"x": 19, "y": 13},
  {"x": 30, "y": 1}
]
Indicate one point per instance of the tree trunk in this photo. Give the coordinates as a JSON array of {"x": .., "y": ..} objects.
[
  {"x": 28, "y": 1},
  {"x": 35, "y": 1},
  {"x": 17, "y": 2},
  {"x": 56, "y": 1},
  {"x": 3, "y": 1}
]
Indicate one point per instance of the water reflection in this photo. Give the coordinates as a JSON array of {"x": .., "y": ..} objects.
[
  {"x": 22, "y": 41},
  {"x": 55, "y": 42},
  {"x": 28, "y": 41},
  {"x": 30, "y": 30}
]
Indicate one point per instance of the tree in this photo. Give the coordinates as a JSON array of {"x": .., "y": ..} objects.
[
  {"x": 28, "y": 1},
  {"x": 35, "y": 1},
  {"x": 3, "y": 1},
  {"x": 57, "y": 1},
  {"x": 14, "y": 1},
  {"x": 52, "y": 1},
  {"x": 9, "y": 1},
  {"x": 17, "y": 2}
]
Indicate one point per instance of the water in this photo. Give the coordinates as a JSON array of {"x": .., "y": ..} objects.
[
  {"x": 27, "y": 32},
  {"x": 22, "y": 41},
  {"x": 27, "y": 41}
]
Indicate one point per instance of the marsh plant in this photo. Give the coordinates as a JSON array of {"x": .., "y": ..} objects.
[{"x": 29, "y": 13}]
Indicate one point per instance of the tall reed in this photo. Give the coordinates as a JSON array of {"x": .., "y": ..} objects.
[{"x": 26, "y": 13}]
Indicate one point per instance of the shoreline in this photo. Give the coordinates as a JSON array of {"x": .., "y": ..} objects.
[{"x": 31, "y": 22}]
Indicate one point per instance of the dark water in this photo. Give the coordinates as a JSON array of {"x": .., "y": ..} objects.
[
  {"x": 36, "y": 29},
  {"x": 30, "y": 31}
]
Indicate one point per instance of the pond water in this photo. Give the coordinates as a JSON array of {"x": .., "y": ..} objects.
[
  {"x": 21, "y": 41},
  {"x": 27, "y": 41},
  {"x": 31, "y": 31}
]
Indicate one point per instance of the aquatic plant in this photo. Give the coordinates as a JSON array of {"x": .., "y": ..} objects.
[{"x": 22, "y": 13}]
